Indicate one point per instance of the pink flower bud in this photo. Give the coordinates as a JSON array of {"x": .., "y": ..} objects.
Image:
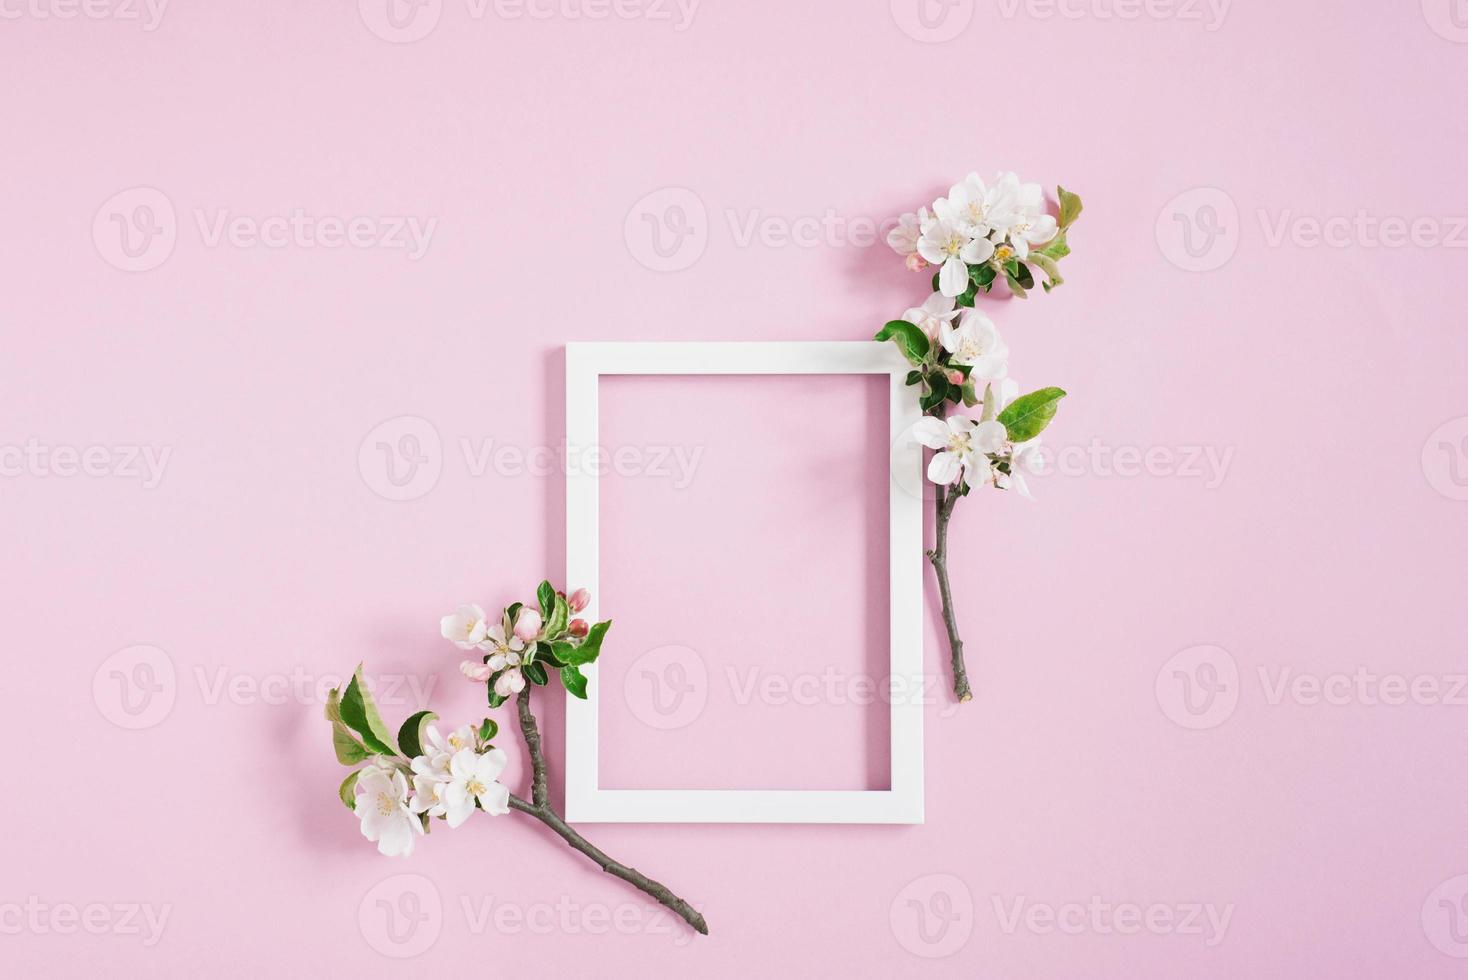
[
  {"x": 916, "y": 263},
  {"x": 578, "y": 627},
  {"x": 955, "y": 376},
  {"x": 527, "y": 624},
  {"x": 476, "y": 672},
  {"x": 510, "y": 682},
  {"x": 579, "y": 600}
]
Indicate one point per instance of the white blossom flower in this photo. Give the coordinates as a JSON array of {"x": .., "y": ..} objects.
[
  {"x": 442, "y": 746},
  {"x": 904, "y": 238},
  {"x": 954, "y": 251},
  {"x": 963, "y": 447},
  {"x": 933, "y": 315},
  {"x": 976, "y": 342},
  {"x": 978, "y": 210},
  {"x": 1026, "y": 458},
  {"x": 428, "y": 786},
  {"x": 465, "y": 627},
  {"x": 473, "y": 778},
  {"x": 1031, "y": 225},
  {"x": 503, "y": 651},
  {"x": 1031, "y": 230},
  {"x": 382, "y": 806}
]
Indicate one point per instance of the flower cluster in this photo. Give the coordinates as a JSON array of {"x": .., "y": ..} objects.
[
  {"x": 975, "y": 234},
  {"x": 452, "y": 777},
  {"x": 981, "y": 453},
  {"x": 522, "y": 642},
  {"x": 980, "y": 231},
  {"x": 420, "y": 773}
]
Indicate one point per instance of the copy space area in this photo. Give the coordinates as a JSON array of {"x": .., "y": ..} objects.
[{"x": 744, "y": 560}]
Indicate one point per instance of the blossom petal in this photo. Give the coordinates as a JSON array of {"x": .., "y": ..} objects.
[
  {"x": 491, "y": 764},
  {"x": 1042, "y": 229},
  {"x": 461, "y": 766},
  {"x": 930, "y": 432},
  {"x": 940, "y": 305},
  {"x": 458, "y": 804},
  {"x": 944, "y": 468},
  {"x": 953, "y": 277},
  {"x": 977, "y": 251},
  {"x": 989, "y": 437},
  {"x": 496, "y": 799},
  {"x": 931, "y": 251},
  {"x": 948, "y": 336}
]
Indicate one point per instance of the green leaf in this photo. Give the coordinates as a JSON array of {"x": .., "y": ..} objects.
[
  {"x": 349, "y": 748},
  {"x": 935, "y": 280},
  {"x": 937, "y": 393},
  {"x": 967, "y": 297},
  {"x": 1070, "y": 207},
  {"x": 360, "y": 713},
  {"x": 545, "y": 593},
  {"x": 536, "y": 673},
  {"x": 560, "y": 614},
  {"x": 913, "y": 377},
  {"x": 990, "y": 404},
  {"x": 348, "y": 790},
  {"x": 410, "y": 736},
  {"x": 1055, "y": 248},
  {"x": 909, "y": 338},
  {"x": 574, "y": 680},
  {"x": 488, "y": 730},
  {"x": 1028, "y": 415},
  {"x": 983, "y": 275},
  {"x": 1025, "y": 276},
  {"x": 1017, "y": 287},
  {"x": 1049, "y": 267},
  {"x": 587, "y": 650},
  {"x": 970, "y": 394},
  {"x": 544, "y": 651}
]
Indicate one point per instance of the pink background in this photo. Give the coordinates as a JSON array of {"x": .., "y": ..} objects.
[{"x": 1331, "y": 542}]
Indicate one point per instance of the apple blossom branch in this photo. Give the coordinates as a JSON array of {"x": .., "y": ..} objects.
[
  {"x": 539, "y": 807},
  {"x": 975, "y": 235},
  {"x": 938, "y": 555},
  {"x": 420, "y": 773}
]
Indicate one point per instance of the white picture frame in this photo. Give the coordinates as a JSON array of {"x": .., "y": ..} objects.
[{"x": 902, "y": 802}]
